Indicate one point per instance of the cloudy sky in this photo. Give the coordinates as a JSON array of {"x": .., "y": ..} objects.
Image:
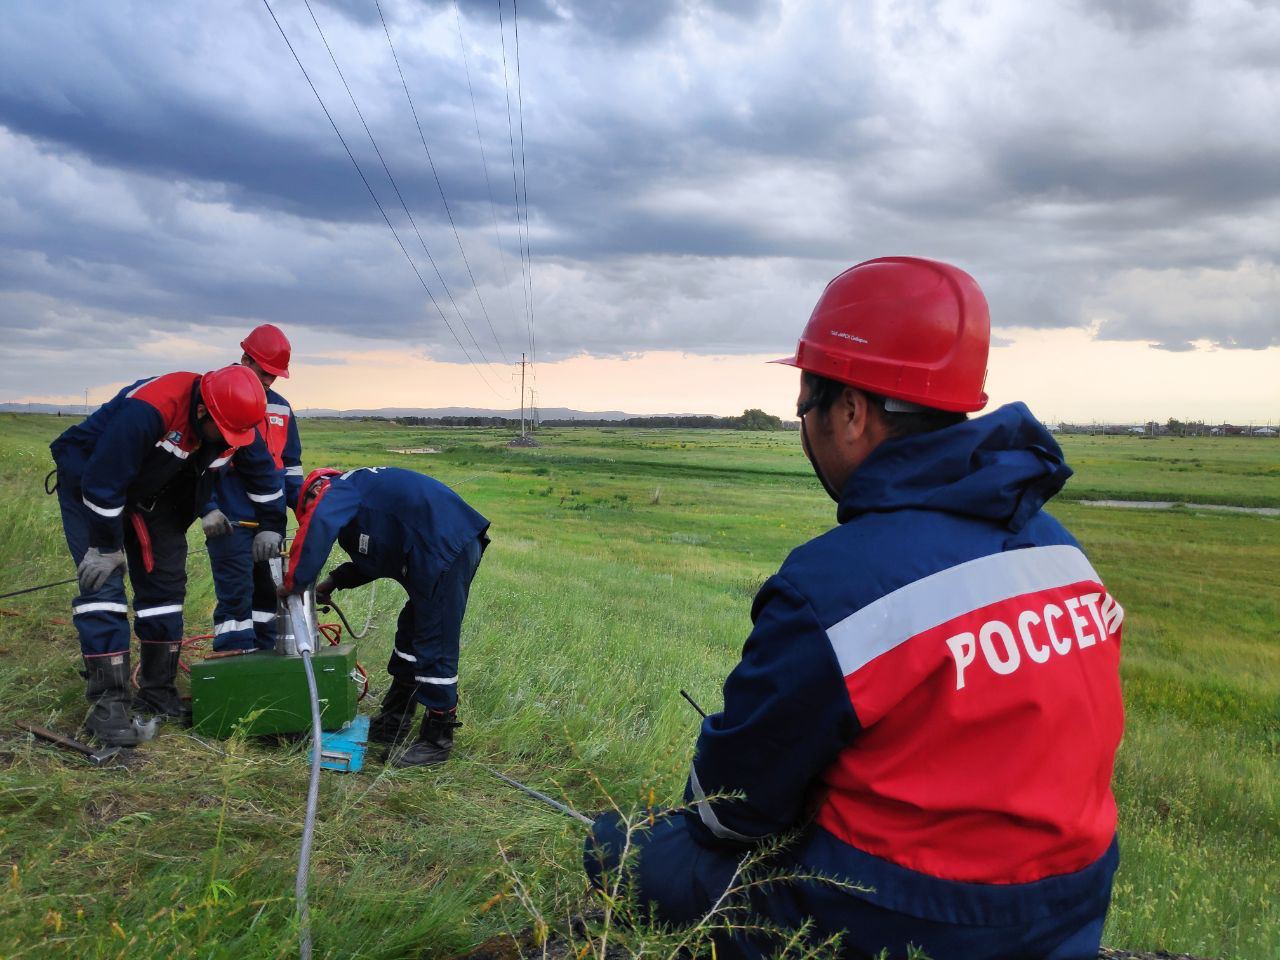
[{"x": 694, "y": 173}]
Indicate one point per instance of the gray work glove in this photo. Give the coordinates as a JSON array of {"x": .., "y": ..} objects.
[
  {"x": 215, "y": 524},
  {"x": 266, "y": 545},
  {"x": 97, "y": 567}
]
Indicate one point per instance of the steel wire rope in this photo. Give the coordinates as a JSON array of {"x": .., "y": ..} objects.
[
  {"x": 526, "y": 290},
  {"x": 378, "y": 203},
  {"x": 475, "y": 287},
  {"x": 394, "y": 186},
  {"x": 484, "y": 160}
]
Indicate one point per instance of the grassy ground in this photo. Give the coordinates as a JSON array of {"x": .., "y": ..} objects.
[{"x": 622, "y": 569}]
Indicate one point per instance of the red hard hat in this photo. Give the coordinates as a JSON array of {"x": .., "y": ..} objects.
[
  {"x": 314, "y": 477},
  {"x": 268, "y": 345},
  {"x": 903, "y": 327},
  {"x": 236, "y": 401}
]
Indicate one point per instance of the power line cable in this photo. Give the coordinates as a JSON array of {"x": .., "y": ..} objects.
[
  {"x": 394, "y": 186},
  {"x": 524, "y": 172},
  {"x": 365, "y": 180},
  {"x": 421, "y": 136},
  {"x": 484, "y": 161},
  {"x": 515, "y": 189}
]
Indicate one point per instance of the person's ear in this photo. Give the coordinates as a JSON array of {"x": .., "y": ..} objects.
[
  {"x": 201, "y": 411},
  {"x": 853, "y": 411}
]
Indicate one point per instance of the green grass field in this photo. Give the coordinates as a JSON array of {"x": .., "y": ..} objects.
[{"x": 622, "y": 569}]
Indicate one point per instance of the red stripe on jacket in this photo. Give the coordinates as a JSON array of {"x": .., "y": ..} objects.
[{"x": 979, "y": 760}]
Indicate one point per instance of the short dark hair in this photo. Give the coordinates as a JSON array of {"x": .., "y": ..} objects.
[{"x": 823, "y": 392}]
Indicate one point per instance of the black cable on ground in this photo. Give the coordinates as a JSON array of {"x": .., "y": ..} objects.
[{"x": 43, "y": 586}]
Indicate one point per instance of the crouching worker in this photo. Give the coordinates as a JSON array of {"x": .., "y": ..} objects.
[
  {"x": 412, "y": 529},
  {"x": 129, "y": 479},
  {"x": 928, "y": 703}
]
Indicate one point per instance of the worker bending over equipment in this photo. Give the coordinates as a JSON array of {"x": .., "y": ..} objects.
[
  {"x": 129, "y": 481},
  {"x": 245, "y": 615},
  {"x": 414, "y": 530},
  {"x": 929, "y": 700}
]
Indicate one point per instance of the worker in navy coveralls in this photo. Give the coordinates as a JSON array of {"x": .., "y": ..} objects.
[
  {"x": 410, "y": 528},
  {"x": 929, "y": 701},
  {"x": 245, "y": 615},
  {"x": 130, "y": 478}
]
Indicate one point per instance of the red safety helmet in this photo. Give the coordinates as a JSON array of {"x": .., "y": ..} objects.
[
  {"x": 236, "y": 401},
  {"x": 268, "y": 345},
  {"x": 324, "y": 474},
  {"x": 904, "y": 327}
]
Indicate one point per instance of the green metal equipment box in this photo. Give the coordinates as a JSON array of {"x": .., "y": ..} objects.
[{"x": 226, "y": 691}]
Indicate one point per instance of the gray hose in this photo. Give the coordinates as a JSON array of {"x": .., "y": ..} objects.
[
  {"x": 368, "y": 620},
  {"x": 302, "y": 613},
  {"x": 309, "y": 823}
]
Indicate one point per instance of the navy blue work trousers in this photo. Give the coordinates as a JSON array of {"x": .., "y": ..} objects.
[
  {"x": 677, "y": 880},
  {"x": 245, "y": 615},
  {"x": 100, "y": 617},
  {"x": 429, "y": 631}
]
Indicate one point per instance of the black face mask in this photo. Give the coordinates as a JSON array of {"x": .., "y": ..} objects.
[{"x": 832, "y": 492}]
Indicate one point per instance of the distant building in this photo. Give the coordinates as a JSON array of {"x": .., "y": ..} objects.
[{"x": 1264, "y": 432}]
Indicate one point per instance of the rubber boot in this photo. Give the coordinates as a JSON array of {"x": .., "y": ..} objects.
[
  {"x": 394, "y": 721},
  {"x": 110, "y": 720},
  {"x": 157, "y": 692},
  {"x": 435, "y": 740}
]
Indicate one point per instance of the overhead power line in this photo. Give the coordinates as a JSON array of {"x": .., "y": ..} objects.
[
  {"x": 365, "y": 180},
  {"x": 524, "y": 174},
  {"x": 439, "y": 186},
  {"x": 484, "y": 160},
  {"x": 521, "y": 231},
  {"x": 394, "y": 186}
]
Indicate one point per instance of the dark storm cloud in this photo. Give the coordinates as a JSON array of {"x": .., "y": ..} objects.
[
  {"x": 696, "y": 171},
  {"x": 1140, "y": 16}
]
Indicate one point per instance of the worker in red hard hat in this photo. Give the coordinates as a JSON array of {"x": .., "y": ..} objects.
[
  {"x": 129, "y": 481},
  {"x": 245, "y": 615},
  {"x": 929, "y": 700},
  {"x": 404, "y": 526}
]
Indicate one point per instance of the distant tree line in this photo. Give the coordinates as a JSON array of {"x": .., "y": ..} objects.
[
  {"x": 753, "y": 419},
  {"x": 511, "y": 422},
  {"x": 1170, "y": 428}
]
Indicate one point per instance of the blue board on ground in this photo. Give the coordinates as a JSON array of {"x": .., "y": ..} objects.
[{"x": 344, "y": 749}]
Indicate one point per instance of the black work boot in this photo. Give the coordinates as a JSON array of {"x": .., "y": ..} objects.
[
  {"x": 394, "y": 721},
  {"x": 157, "y": 693},
  {"x": 110, "y": 719},
  {"x": 435, "y": 740}
]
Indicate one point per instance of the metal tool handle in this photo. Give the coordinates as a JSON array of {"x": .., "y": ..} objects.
[{"x": 45, "y": 734}]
